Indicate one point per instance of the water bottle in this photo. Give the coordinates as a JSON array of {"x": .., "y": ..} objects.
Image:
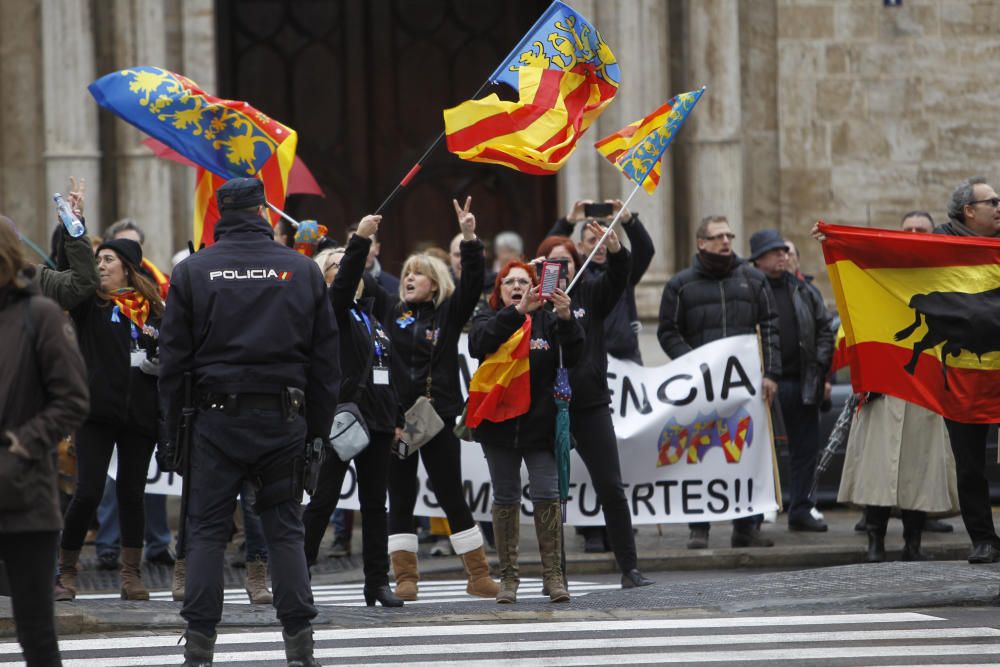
[{"x": 68, "y": 218}]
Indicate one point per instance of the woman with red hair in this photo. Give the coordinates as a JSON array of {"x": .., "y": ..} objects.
[
  {"x": 529, "y": 434},
  {"x": 590, "y": 420}
]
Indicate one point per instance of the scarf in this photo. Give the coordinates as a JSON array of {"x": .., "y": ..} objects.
[
  {"x": 133, "y": 305},
  {"x": 716, "y": 265}
]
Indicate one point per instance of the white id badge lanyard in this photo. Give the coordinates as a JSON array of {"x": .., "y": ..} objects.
[
  {"x": 380, "y": 375},
  {"x": 137, "y": 357}
]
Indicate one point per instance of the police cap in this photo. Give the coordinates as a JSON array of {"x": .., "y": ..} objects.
[{"x": 240, "y": 193}]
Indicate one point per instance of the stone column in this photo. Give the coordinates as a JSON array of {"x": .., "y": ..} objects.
[
  {"x": 71, "y": 135},
  {"x": 195, "y": 55},
  {"x": 637, "y": 32},
  {"x": 142, "y": 190},
  {"x": 713, "y": 132}
]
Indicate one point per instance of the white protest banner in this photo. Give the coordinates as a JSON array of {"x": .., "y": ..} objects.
[{"x": 694, "y": 440}]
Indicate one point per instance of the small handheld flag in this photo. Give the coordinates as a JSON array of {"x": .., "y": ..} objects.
[{"x": 636, "y": 149}]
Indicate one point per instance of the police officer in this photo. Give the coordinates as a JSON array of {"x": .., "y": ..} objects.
[{"x": 251, "y": 321}]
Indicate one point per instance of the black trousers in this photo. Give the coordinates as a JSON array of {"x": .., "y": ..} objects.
[
  {"x": 372, "y": 466},
  {"x": 31, "y": 559},
  {"x": 226, "y": 450},
  {"x": 442, "y": 458},
  {"x": 94, "y": 443},
  {"x": 968, "y": 443},
  {"x": 597, "y": 446},
  {"x": 802, "y": 427}
]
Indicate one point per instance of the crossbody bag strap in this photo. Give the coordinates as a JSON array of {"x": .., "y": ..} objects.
[
  {"x": 363, "y": 382},
  {"x": 434, "y": 341}
]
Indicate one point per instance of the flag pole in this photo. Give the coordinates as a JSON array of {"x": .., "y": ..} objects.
[
  {"x": 290, "y": 219},
  {"x": 415, "y": 169},
  {"x": 597, "y": 246}
]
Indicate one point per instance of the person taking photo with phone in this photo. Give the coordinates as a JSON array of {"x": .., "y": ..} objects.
[{"x": 525, "y": 431}]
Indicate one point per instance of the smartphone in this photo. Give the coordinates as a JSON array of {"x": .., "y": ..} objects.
[
  {"x": 598, "y": 210},
  {"x": 551, "y": 272}
]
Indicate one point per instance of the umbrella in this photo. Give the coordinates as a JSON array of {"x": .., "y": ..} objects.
[
  {"x": 300, "y": 179},
  {"x": 563, "y": 393},
  {"x": 38, "y": 251},
  {"x": 838, "y": 436}
]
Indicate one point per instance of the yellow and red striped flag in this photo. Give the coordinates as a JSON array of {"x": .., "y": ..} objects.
[
  {"x": 636, "y": 149},
  {"x": 840, "y": 356},
  {"x": 500, "y": 388},
  {"x": 921, "y": 316},
  {"x": 535, "y": 135}
]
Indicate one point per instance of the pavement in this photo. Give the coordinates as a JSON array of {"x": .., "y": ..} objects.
[{"x": 802, "y": 569}]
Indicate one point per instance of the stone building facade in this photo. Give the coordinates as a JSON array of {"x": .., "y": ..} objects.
[{"x": 845, "y": 110}]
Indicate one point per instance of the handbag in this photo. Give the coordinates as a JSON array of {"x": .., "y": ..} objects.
[
  {"x": 349, "y": 435},
  {"x": 422, "y": 420}
]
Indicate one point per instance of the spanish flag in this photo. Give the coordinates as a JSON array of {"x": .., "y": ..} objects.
[
  {"x": 840, "y": 356},
  {"x": 535, "y": 135},
  {"x": 500, "y": 388},
  {"x": 921, "y": 316},
  {"x": 636, "y": 149}
]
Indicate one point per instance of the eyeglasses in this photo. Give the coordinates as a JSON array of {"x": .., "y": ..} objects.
[
  {"x": 522, "y": 282},
  {"x": 720, "y": 236},
  {"x": 992, "y": 201}
]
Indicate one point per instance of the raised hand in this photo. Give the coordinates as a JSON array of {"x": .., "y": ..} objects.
[
  {"x": 575, "y": 214},
  {"x": 619, "y": 205},
  {"x": 561, "y": 303},
  {"x": 611, "y": 243},
  {"x": 466, "y": 220},
  {"x": 76, "y": 195},
  {"x": 531, "y": 301},
  {"x": 368, "y": 226}
]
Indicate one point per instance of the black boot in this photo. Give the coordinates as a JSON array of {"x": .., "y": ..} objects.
[
  {"x": 383, "y": 594},
  {"x": 299, "y": 648},
  {"x": 878, "y": 520},
  {"x": 913, "y": 528},
  {"x": 198, "y": 649}
]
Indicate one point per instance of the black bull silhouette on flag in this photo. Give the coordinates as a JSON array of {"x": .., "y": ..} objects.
[{"x": 960, "y": 320}]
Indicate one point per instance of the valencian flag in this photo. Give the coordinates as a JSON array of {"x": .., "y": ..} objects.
[
  {"x": 225, "y": 138},
  {"x": 636, "y": 149},
  {"x": 501, "y": 387},
  {"x": 921, "y": 315},
  {"x": 565, "y": 76}
]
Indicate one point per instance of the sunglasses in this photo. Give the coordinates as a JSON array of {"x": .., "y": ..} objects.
[{"x": 992, "y": 201}]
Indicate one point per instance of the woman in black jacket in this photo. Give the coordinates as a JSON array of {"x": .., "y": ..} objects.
[
  {"x": 424, "y": 327},
  {"x": 42, "y": 399},
  {"x": 554, "y": 336},
  {"x": 117, "y": 319},
  {"x": 365, "y": 358},
  {"x": 590, "y": 420}
]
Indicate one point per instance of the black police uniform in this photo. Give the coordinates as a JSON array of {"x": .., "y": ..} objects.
[{"x": 251, "y": 321}]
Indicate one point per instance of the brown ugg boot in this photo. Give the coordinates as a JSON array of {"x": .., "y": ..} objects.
[
  {"x": 403, "y": 553},
  {"x": 256, "y": 585},
  {"x": 548, "y": 528},
  {"x": 132, "y": 588},
  {"x": 469, "y": 545},
  {"x": 180, "y": 580},
  {"x": 65, "y": 588},
  {"x": 506, "y": 529}
]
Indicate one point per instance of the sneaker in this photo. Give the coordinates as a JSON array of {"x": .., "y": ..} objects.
[
  {"x": 341, "y": 546},
  {"x": 698, "y": 538},
  {"x": 807, "y": 524},
  {"x": 442, "y": 548}
]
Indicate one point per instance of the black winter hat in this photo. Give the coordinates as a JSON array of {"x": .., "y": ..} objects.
[
  {"x": 240, "y": 193},
  {"x": 128, "y": 250},
  {"x": 765, "y": 241}
]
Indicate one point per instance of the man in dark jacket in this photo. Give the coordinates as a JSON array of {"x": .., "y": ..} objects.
[
  {"x": 806, "y": 343},
  {"x": 721, "y": 295},
  {"x": 974, "y": 210},
  {"x": 251, "y": 321}
]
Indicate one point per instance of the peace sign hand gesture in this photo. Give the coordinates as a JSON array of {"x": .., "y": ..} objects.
[{"x": 466, "y": 220}]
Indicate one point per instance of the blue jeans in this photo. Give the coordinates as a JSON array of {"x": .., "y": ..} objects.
[
  {"x": 157, "y": 533},
  {"x": 254, "y": 544}
]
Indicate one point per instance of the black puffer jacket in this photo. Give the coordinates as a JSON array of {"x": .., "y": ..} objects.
[
  {"x": 359, "y": 329},
  {"x": 698, "y": 308},
  {"x": 120, "y": 393},
  {"x": 536, "y": 428},
  {"x": 413, "y": 342}
]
